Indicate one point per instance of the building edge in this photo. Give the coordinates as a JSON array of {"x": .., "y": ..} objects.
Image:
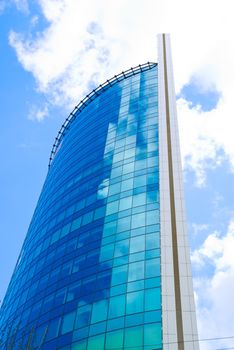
[{"x": 178, "y": 307}]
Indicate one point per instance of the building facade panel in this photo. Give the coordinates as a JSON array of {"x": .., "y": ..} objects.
[{"x": 181, "y": 278}]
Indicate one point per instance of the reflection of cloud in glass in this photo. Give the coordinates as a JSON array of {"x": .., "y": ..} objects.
[{"x": 103, "y": 189}]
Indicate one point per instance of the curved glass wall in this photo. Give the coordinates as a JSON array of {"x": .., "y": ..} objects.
[{"x": 88, "y": 276}]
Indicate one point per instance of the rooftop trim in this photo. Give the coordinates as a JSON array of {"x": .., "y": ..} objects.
[{"x": 90, "y": 97}]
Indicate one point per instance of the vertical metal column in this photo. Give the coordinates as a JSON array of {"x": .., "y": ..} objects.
[{"x": 179, "y": 318}]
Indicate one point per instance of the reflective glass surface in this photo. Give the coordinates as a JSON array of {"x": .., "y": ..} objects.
[{"x": 88, "y": 276}]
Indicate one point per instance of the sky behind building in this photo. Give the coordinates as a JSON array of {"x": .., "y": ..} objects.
[{"x": 54, "y": 52}]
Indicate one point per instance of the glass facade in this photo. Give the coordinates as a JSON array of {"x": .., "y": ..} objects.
[{"x": 88, "y": 276}]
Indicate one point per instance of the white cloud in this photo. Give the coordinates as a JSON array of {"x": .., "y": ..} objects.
[
  {"x": 199, "y": 228},
  {"x": 206, "y": 137},
  {"x": 214, "y": 294},
  {"x": 87, "y": 42},
  {"x": 2, "y": 6},
  {"x": 22, "y": 5},
  {"x": 38, "y": 114}
]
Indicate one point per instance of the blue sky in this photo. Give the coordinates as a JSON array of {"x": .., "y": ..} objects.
[{"x": 53, "y": 52}]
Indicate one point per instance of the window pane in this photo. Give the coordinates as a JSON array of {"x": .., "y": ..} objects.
[
  {"x": 112, "y": 207},
  {"x": 83, "y": 316},
  {"x": 53, "y": 329},
  {"x": 153, "y": 336},
  {"x": 107, "y": 252},
  {"x": 152, "y": 299},
  {"x": 125, "y": 203},
  {"x": 99, "y": 312},
  {"x": 152, "y": 217},
  {"x": 152, "y": 268},
  {"x": 124, "y": 224},
  {"x": 136, "y": 271},
  {"x": 114, "y": 340},
  {"x": 152, "y": 241},
  {"x": 68, "y": 322},
  {"x": 137, "y": 244},
  {"x": 133, "y": 337},
  {"x": 139, "y": 199},
  {"x": 96, "y": 343},
  {"x": 138, "y": 220},
  {"x": 121, "y": 248},
  {"x": 119, "y": 275},
  {"x": 117, "y": 306},
  {"x": 135, "y": 302}
]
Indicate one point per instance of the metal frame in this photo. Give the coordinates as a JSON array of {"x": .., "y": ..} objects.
[{"x": 90, "y": 97}]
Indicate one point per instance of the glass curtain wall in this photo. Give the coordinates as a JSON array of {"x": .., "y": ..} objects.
[{"x": 88, "y": 276}]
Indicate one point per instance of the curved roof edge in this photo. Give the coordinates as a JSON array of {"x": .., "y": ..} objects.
[{"x": 90, "y": 97}]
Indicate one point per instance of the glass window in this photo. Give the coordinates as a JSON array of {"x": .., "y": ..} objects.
[
  {"x": 136, "y": 271},
  {"x": 152, "y": 299},
  {"x": 112, "y": 207},
  {"x": 81, "y": 345},
  {"x": 119, "y": 274},
  {"x": 68, "y": 322},
  {"x": 83, "y": 316},
  {"x": 135, "y": 302},
  {"x": 114, "y": 340},
  {"x": 127, "y": 185},
  {"x": 65, "y": 230},
  {"x": 77, "y": 262},
  {"x": 140, "y": 164},
  {"x": 39, "y": 335},
  {"x": 153, "y": 316},
  {"x": 134, "y": 319},
  {"x": 53, "y": 329},
  {"x": 55, "y": 237},
  {"x": 138, "y": 220},
  {"x": 76, "y": 224},
  {"x": 136, "y": 285},
  {"x": 113, "y": 189},
  {"x": 107, "y": 252},
  {"x": 109, "y": 228},
  {"x": 99, "y": 213},
  {"x": 152, "y": 196},
  {"x": 137, "y": 244},
  {"x": 60, "y": 297},
  {"x": 129, "y": 153},
  {"x": 140, "y": 181},
  {"x": 48, "y": 302},
  {"x": 117, "y": 306},
  {"x": 117, "y": 157},
  {"x": 128, "y": 168},
  {"x": 73, "y": 291},
  {"x": 152, "y": 241},
  {"x": 96, "y": 343},
  {"x": 97, "y": 328},
  {"x": 125, "y": 203},
  {"x": 152, "y": 217},
  {"x": 153, "y": 336},
  {"x": 152, "y": 268},
  {"x": 139, "y": 199},
  {"x": 87, "y": 218},
  {"x": 133, "y": 337},
  {"x": 124, "y": 224},
  {"x": 99, "y": 312},
  {"x": 66, "y": 269},
  {"x": 80, "y": 205},
  {"x": 121, "y": 248},
  {"x": 115, "y": 323}
]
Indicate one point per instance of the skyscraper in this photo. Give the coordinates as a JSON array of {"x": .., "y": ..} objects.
[{"x": 105, "y": 263}]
